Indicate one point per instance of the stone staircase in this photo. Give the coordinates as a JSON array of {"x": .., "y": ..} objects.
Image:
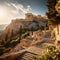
[{"x": 27, "y": 56}]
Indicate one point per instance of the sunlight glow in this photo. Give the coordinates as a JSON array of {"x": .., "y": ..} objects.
[
  {"x": 2, "y": 13},
  {"x": 11, "y": 11}
]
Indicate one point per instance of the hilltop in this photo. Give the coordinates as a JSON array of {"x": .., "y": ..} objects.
[
  {"x": 20, "y": 29},
  {"x": 30, "y": 21}
]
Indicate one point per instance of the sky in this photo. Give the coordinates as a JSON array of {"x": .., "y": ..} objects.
[{"x": 12, "y": 9}]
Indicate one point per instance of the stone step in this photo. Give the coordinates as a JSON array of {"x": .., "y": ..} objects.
[{"x": 27, "y": 56}]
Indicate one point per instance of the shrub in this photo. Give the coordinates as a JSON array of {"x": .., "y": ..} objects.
[
  {"x": 50, "y": 53},
  {"x": 14, "y": 42},
  {"x": 25, "y": 34}
]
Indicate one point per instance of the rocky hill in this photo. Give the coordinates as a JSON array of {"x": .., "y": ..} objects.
[
  {"x": 30, "y": 21},
  {"x": 19, "y": 29}
]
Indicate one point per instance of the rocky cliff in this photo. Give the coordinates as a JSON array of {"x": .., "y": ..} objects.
[{"x": 27, "y": 23}]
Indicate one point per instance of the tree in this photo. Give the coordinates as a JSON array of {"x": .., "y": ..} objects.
[
  {"x": 54, "y": 17},
  {"x": 20, "y": 32},
  {"x": 32, "y": 30}
]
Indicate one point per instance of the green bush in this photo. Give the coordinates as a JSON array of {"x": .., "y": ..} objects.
[
  {"x": 50, "y": 53},
  {"x": 25, "y": 34},
  {"x": 13, "y": 43}
]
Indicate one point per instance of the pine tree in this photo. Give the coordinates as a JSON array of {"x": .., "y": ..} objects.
[
  {"x": 20, "y": 32},
  {"x": 53, "y": 15},
  {"x": 32, "y": 29}
]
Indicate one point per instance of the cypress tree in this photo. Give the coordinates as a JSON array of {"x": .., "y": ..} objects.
[{"x": 53, "y": 15}]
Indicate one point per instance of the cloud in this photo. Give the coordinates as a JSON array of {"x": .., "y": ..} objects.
[
  {"x": 17, "y": 9},
  {"x": 20, "y": 7},
  {"x": 13, "y": 10}
]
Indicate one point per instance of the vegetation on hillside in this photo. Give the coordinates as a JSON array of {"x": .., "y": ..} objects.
[
  {"x": 49, "y": 53},
  {"x": 6, "y": 45}
]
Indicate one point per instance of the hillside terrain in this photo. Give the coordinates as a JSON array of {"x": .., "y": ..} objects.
[
  {"x": 30, "y": 46},
  {"x": 19, "y": 33},
  {"x": 30, "y": 21}
]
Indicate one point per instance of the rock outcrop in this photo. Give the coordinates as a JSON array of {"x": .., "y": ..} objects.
[{"x": 27, "y": 23}]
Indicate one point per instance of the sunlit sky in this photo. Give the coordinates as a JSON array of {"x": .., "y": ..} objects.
[{"x": 11, "y": 9}]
